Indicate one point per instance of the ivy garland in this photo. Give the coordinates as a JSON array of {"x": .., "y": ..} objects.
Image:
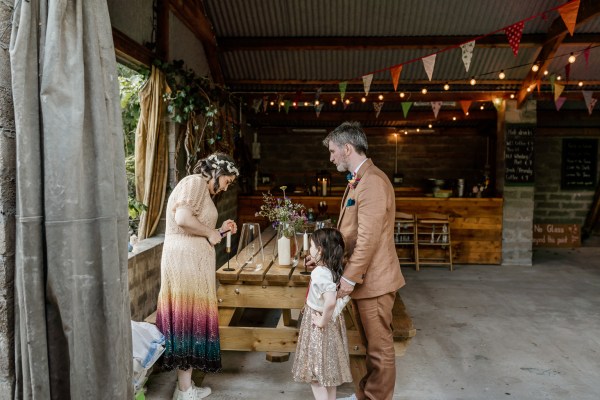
[{"x": 200, "y": 106}]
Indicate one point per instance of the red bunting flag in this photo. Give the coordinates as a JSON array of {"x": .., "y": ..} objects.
[
  {"x": 559, "y": 102},
  {"x": 568, "y": 12},
  {"x": 514, "y": 33},
  {"x": 568, "y": 71},
  {"x": 396, "y": 75},
  {"x": 465, "y": 104},
  {"x": 586, "y": 54}
]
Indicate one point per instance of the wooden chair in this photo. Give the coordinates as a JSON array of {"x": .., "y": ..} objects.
[
  {"x": 434, "y": 241},
  {"x": 405, "y": 232}
]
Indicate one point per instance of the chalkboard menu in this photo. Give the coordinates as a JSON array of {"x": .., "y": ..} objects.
[
  {"x": 519, "y": 155},
  {"x": 579, "y": 162}
]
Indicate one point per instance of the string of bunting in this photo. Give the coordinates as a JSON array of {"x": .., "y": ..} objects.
[{"x": 568, "y": 12}]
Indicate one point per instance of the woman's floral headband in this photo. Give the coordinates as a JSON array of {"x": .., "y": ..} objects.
[{"x": 228, "y": 166}]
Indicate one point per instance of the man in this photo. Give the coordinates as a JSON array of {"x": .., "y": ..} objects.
[{"x": 372, "y": 274}]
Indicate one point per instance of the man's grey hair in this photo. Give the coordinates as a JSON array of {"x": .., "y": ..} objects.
[{"x": 348, "y": 133}]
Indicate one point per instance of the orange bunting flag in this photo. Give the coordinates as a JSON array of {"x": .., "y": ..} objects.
[
  {"x": 429, "y": 64},
  {"x": 377, "y": 107},
  {"x": 538, "y": 83},
  {"x": 396, "y": 75},
  {"x": 436, "y": 105},
  {"x": 559, "y": 102},
  {"x": 465, "y": 104},
  {"x": 343, "y": 86},
  {"x": 568, "y": 12},
  {"x": 514, "y": 33},
  {"x": 367, "y": 79},
  {"x": 558, "y": 89}
]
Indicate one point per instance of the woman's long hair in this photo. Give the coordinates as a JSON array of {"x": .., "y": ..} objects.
[
  {"x": 331, "y": 243},
  {"x": 215, "y": 166}
]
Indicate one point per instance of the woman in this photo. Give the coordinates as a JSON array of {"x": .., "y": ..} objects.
[{"x": 187, "y": 303}]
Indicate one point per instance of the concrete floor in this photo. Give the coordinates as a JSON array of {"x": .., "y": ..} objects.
[{"x": 483, "y": 332}]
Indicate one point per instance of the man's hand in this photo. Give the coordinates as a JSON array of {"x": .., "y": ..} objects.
[{"x": 345, "y": 289}]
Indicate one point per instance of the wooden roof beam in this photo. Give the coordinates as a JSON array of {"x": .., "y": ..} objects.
[
  {"x": 228, "y": 44},
  {"x": 193, "y": 16},
  {"x": 555, "y": 37}
]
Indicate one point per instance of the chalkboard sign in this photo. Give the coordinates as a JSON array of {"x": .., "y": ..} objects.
[
  {"x": 519, "y": 155},
  {"x": 556, "y": 235},
  {"x": 579, "y": 163}
]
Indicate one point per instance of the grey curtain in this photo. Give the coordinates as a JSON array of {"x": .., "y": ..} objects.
[{"x": 72, "y": 334}]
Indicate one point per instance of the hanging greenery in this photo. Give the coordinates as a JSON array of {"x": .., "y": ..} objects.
[{"x": 203, "y": 111}]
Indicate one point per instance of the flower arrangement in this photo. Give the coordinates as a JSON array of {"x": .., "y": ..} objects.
[
  {"x": 352, "y": 181},
  {"x": 282, "y": 211}
]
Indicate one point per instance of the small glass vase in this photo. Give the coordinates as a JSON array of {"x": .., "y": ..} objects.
[{"x": 285, "y": 251}]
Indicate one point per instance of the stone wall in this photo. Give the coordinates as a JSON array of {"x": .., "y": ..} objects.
[
  {"x": 552, "y": 204},
  {"x": 295, "y": 158},
  {"x": 7, "y": 209}
]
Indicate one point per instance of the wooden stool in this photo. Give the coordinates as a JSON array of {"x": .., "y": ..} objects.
[
  {"x": 434, "y": 243},
  {"x": 404, "y": 237}
]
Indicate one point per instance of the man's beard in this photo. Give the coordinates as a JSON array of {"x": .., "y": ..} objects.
[{"x": 343, "y": 165}]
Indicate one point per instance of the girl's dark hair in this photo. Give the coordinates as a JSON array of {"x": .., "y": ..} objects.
[
  {"x": 215, "y": 166},
  {"x": 331, "y": 243}
]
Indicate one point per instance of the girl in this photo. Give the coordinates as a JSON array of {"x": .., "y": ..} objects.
[{"x": 322, "y": 350}]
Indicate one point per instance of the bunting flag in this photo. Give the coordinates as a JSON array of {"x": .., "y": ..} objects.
[
  {"x": 590, "y": 102},
  {"x": 343, "y": 86},
  {"x": 345, "y": 104},
  {"x": 586, "y": 54},
  {"x": 538, "y": 83},
  {"x": 279, "y": 100},
  {"x": 396, "y": 75},
  {"x": 465, "y": 104},
  {"x": 286, "y": 105},
  {"x": 568, "y": 71},
  {"x": 318, "y": 109},
  {"x": 568, "y": 12},
  {"x": 429, "y": 63},
  {"x": 265, "y": 103},
  {"x": 514, "y": 33},
  {"x": 367, "y": 79},
  {"x": 256, "y": 105},
  {"x": 318, "y": 93},
  {"x": 436, "y": 105},
  {"x": 405, "y": 107},
  {"x": 467, "y": 53},
  {"x": 377, "y": 107},
  {"x": 552, "y": 80},
  {"x": 559, "y": 102},
  {"x": 558, "y": 89}
]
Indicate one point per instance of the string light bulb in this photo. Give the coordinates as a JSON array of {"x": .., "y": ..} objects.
[
  {"x": 467, "y": 113},
  {"x": 347, "y": 101},
  {"x": 580, "y": 84},
  {"x": 418, "y": 130},
  {"x": 295, "y": 104},
  {"x": 402, "y": 94},
  {"x": 272, "y": 103},
  {"x": 430, "y": 126},
  {"x": 282, "y": 104},
  {"x": 512, "y": 95},
  {"x": 528, "y": 90},
  {"x": 535, "y": 68},
  {"x": 424, "y": 90},
  {"x": 558, "y": 78},
  {"x": 473, "y": 81},
  {"x": 380, "y": 97},
  {"x": 317, "y": 102},
  {"x": 481, "y": 107},
  {"x": 333, "y": 102},
  {"x": 446, "y": 86},
  {"x": 406, "y": 132},
  {"x": 306, "y": 104},
  {"x": 364, "y": 99},
  {"x": 502, "y": 75},
  {"x": 453, "y": 118},
  {"x": 572, "y": 58}
]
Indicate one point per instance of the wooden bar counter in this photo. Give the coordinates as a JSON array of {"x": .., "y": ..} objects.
[
  {"x": 475, "y": 223},
  {"x": 283, "y": 288}
]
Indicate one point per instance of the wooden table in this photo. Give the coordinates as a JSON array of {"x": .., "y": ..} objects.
[{"x": 284, "y": 288}]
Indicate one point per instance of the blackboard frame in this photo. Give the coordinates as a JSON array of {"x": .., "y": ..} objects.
[
  {"x": 588, "y": 155},
  {"x": 519, "y": 155}
]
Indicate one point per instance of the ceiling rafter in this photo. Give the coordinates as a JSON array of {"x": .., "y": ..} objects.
[
  {"x": 193, "y": 16},
  {"x": 229, "y": 44},
  {"x": 555, "y": 37}
]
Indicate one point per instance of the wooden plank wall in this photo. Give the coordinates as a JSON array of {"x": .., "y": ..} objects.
[{"x": 476, "y": 224}]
